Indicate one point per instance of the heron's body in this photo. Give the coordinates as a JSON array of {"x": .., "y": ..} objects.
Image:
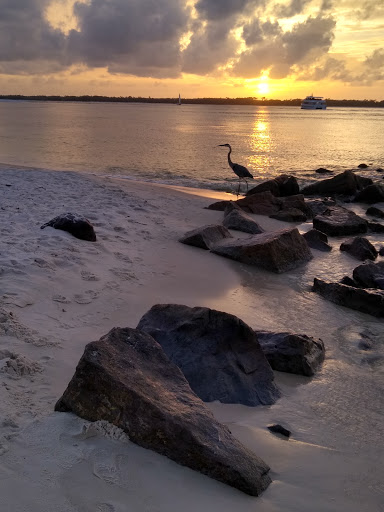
[{"x": 241, "y": 171}]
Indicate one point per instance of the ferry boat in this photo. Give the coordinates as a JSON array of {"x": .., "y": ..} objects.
[{"x": 314, "y": 103}]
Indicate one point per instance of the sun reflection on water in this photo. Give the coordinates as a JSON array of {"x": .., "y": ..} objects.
[{"x": 261, "y": 144}]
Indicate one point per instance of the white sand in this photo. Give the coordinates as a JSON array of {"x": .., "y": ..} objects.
[{"x": 59, "y": 293}]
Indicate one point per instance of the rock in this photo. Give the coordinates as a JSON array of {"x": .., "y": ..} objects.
[
  {"x": 375, "y": 227},
  {"x": 277, "y": 251},
  {"x": 360, "y": 248},
  {"x": 279, "y": 429},
  {"x": 362, "y": 166},
  {"x": 370, "y": 275},
  {"x": 346, "y": 183},
  {"x": 292, "y": 353},
  {"x": 322, "y": 170},
  {"x": 379, "y": 170},
  {"x": 238, "y": 220},
  {"x": 338, "y": 221},
  {"x": 206, "y": 236},
  {"x": 218, "y": 353},
  {"x": 290, "y": 215},
  {"x": 75, "y": 224},
  {"x": 371, "y": 194},
  {"x": 318, "y": 206},
  {"x": 365, "y": 300},
  {"x": 317, "y": 240},
  {"x": 349, "y": 281},
  {"x": 381, "y": 251},
  {"x": 219, "y": 206},
  {"x": 126, "y": 379},
  {"x": 282, "y": 185},
  {"x": 375, "y": 212}
]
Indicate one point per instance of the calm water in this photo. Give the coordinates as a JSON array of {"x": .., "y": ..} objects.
[{"x": 178, "y": 144}]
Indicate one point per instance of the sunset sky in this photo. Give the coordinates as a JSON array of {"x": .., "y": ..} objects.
[{"x": 199, "y": 48}]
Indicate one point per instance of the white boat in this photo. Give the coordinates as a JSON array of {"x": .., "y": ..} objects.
[
  {"x": 314, "y": 103},
  {"x": 179, "y": 100}
]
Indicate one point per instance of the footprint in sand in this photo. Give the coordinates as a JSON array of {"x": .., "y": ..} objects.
[
  {"x": 61, "y": 298},
  {"x": 88, "y": 276},
  {"x": 122, "y": 257},
  {"x": 123, "y": 274},
  {"x": 86, "y": 298}
]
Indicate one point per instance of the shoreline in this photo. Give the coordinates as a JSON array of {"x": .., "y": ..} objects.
[{"x": 63, "y": 293}]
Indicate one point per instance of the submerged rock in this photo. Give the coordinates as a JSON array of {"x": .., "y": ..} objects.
[
  {"x": 75, "y": 224},
  {"x": 292, "y": 353},
  {"x": 205, "y": 237},
  {"x": 360, "y": 248},
  {"x": 339, "y": 221},
  {"x": 218, "y": 353},
  {"x": 277, "y": 251},
  {"x": 125, "y": 378},
  {"x": 346, "y": 183},
  {"x": 365, "y": 300}
]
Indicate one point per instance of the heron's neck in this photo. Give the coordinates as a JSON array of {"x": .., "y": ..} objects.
[{"x": 229, "y": 157}]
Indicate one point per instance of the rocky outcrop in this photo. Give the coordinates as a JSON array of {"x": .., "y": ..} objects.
[
  {"x": 370, "y": 195},
  {"x": 292, "y": 353},
  {"x": 125, "y": 378},
  {"x": 75, "y": 224},
  {"x": 360, "y": 248},
  {"x": 339, "y": 221},
  {"x": 218, "y": 353},
  {"x": 365, "y": 300},
  {"x": 347, "y": 183},
  {"x": 206, "y": 236},
  {"x": 235, "y": 218},
  {"x": 277, "y": 251},
  {"x": 282, "y": 185},
  {"x": 317, "y": 240},
  {"x": 370, "y": 275}
]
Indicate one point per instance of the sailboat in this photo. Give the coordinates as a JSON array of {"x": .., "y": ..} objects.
[{"x": 179, "y": 103}]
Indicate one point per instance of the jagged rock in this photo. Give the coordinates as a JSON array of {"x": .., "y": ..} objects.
[
  {"x": 279, "y": 429},
  {"x": 292, "y": 353},
  {"x": 318, "y": 206},
  {"x": 75, "y": 224},
  {"x": 338, "y": 221},
  {"x": 290, "y": 215},
  {"x": 365, "y": 300},
  {"x": 375, "y": 212},
  {"x": 359, "y": 247},
  {"x": 125, "y": 378},
  {"x": 349, "y": 282},
  {"x": 235, "y": 218},
  {"x": 346, "y": 183},
  {"x": 265, "y": 203},
  {"x": 282, "y": 185},
  {"x": 362, "y": 166},
  {"x": 322, "y": 170},
  {"x": 375, "y": 227},
  {"x": 277, "y": 251},
  {"x": 206, "y": 237},
  {"x": 317, "y": 240},
  {"x": 370, "y": 194},
  {"x": 218, "y": 353},
  {"x": 370, "y": 275}
]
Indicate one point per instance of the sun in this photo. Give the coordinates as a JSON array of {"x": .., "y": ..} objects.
[{"x": 263, "y": 87}]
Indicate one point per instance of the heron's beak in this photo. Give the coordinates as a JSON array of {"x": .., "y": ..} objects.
[{"x": 220, "y": 145}]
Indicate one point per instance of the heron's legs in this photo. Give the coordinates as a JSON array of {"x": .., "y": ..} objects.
[{"x": 238, "y": 188}]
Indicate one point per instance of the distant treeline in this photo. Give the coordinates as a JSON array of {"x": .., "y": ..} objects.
[{"x": 194, "y": 101}]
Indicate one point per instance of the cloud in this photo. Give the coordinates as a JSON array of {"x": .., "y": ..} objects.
[
  {"x": 222, "y": 9},
  {"x": 293, "y": 8}
]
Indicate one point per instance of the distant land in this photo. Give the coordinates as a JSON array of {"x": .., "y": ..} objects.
[{"x": 194, "y": 101}]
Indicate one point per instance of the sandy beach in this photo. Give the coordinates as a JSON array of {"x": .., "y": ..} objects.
[{"x": 59, "y": 293}]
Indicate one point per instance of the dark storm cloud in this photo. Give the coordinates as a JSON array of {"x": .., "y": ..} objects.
[
  {"x": 255, "y": 32},
  {"x": 24, "y": 33},
  {"x": 219, "y": 9},
  {"x": 280, "y": 51}
]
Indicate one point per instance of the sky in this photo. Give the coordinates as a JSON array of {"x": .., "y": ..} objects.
[{"x": 278, "y": 49}]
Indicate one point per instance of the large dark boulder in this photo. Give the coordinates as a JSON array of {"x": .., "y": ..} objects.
[
  {"x": 235, "y": 218},
  {"x": 125, "y": 378},
  {"x": 370, "y": 275},
  {"x": 277, "y": 251},
  {"x": 372, "y": 194},
  {"x": 365, "y": 300},
  {"x": 317, "y": 240},
  {"x": 282, "y": 185},
  {"x": 346, "y": 183},
  {"x": 75, "y": 224},
  {"x": 292, "y": 353},
  {"x": 218, "y": 353},
  {"x": 339, "y": 221},
  {"x": 318, "y": 206},
  {"x": 205, "y": 237},
  {"x": 360, "y": 248}
]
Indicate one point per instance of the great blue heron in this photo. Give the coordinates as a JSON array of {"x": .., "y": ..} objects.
[{"x": 241, "y": 171}]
